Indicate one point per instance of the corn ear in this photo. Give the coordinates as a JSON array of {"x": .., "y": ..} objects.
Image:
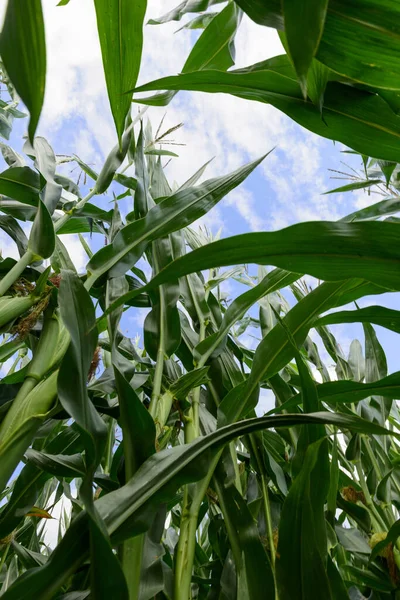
[
  {"x": 35, "y": 404},
  {"x": 20, "y": 424},
  {"x": 12, "y": 307},
  {"x": 46, "y": 348}
]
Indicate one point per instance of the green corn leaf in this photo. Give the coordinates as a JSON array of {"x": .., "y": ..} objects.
[
  {"x": 254, "y": 573},
  {"x": 379, "y": 315},
  {"x": 116, "y": 508},
  {"x": 357, "y": 118},
  {"x": 175, "y": 212},
  {"x": 213, "y": 50},
  {"x": 326, "y": 250},
  {"x": 46, "y": 165},
  {"x": 359, "y": 185},
  {"x": 182, "y": 9},
  {"x": 182, "y": 386},
  {"x": 58, "y": 464},
  {"x": 301, "y": 568},
  {"x": 275, "y": 280},
  {"x": 337, "y": 392},
  {"x": 22, "y": 184},
  {"x": 42, "y": 238},
  {"x": 113, "y": 161},
  {"x": 387, "y": 169},
  {"x": 215, "y": 47},
  {"x": 20, "y": 426},
  {"x": 77, "y": 313},
  {"x": 269, "y": 14},
  {"x": 161, "y": 332},
  {"x": 304, "y": 22},
  {"x": 120, "y": 28},
  {"x": 136, "y": 420},
  {"x": 16, "y": 233},
  {"x": 385, "y": 207},
  {"x": 383, "y": 491},
  {"x": 23, "y": 52},
  {"x": 31, "y": 480},
  {"x": 276, "y": 349},
  {"x": 376, "y": 366},
  {"x": 356, "y": 360},
  {"x": 359, "y": 40}
]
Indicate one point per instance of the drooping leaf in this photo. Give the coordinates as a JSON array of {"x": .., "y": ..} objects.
[
  {"x": 42, "y": 237},
  {"x": 191, "y": 6},
  {"x": 46, "y": 164},
  {"x": 22, "y": 184},
  {"x": 120, "y": 27},
  {"x": 16, "y": 233},
  {"x": 58, "y": 464},
  {"x": 359, "y": 119},
  {"x": 326, "y": 250},
  {"x": 12, "y": 158},
  {"x": 23, "y": 52},
  {"x": 358, "y": 42},
  {"x": 304, "y": 22},
  {"x": 215, "y": 47},
  {"x": 379, "y": 315},
  {"x": 387, "y": 169},
  {"x": 337, "y": 392}
]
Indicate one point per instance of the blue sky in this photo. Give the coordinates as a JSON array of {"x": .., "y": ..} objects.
[{"x": 286, "y": 189}]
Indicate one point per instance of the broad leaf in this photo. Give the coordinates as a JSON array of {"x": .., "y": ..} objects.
[
  {"x": 352, "y": 116},
  {"x": 326, "y": 250},
  {"x": 304, "y": 23}
]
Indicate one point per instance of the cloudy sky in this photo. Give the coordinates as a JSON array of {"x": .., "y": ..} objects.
[{"x": 287, "y": 188}]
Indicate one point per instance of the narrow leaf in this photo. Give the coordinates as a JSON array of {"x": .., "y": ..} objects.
[{"x": 23, "y": 52}]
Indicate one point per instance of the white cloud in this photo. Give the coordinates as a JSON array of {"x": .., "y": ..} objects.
[
  {"x": 244, "y": 202},
  {"x": 7, "y": 246}
]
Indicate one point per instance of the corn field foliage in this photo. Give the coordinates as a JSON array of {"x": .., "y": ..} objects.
[{"x": 170, "y": 486}]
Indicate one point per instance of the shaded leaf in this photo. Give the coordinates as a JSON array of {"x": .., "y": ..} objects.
[{"x": 23, "y": 52}]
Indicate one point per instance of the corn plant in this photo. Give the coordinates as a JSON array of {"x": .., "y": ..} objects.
[{"x": 170, "y": 482}]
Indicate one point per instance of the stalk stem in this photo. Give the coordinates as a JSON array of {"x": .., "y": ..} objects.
[
  {"x": 388, "y": 510},
  {"x": 192, "y": 499},
  {"x": 66, "y": 217},
  {"x": 4, "y": 556},
  {"x": 376, "y": 519},
  {"x": 268, "y": 520}
]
